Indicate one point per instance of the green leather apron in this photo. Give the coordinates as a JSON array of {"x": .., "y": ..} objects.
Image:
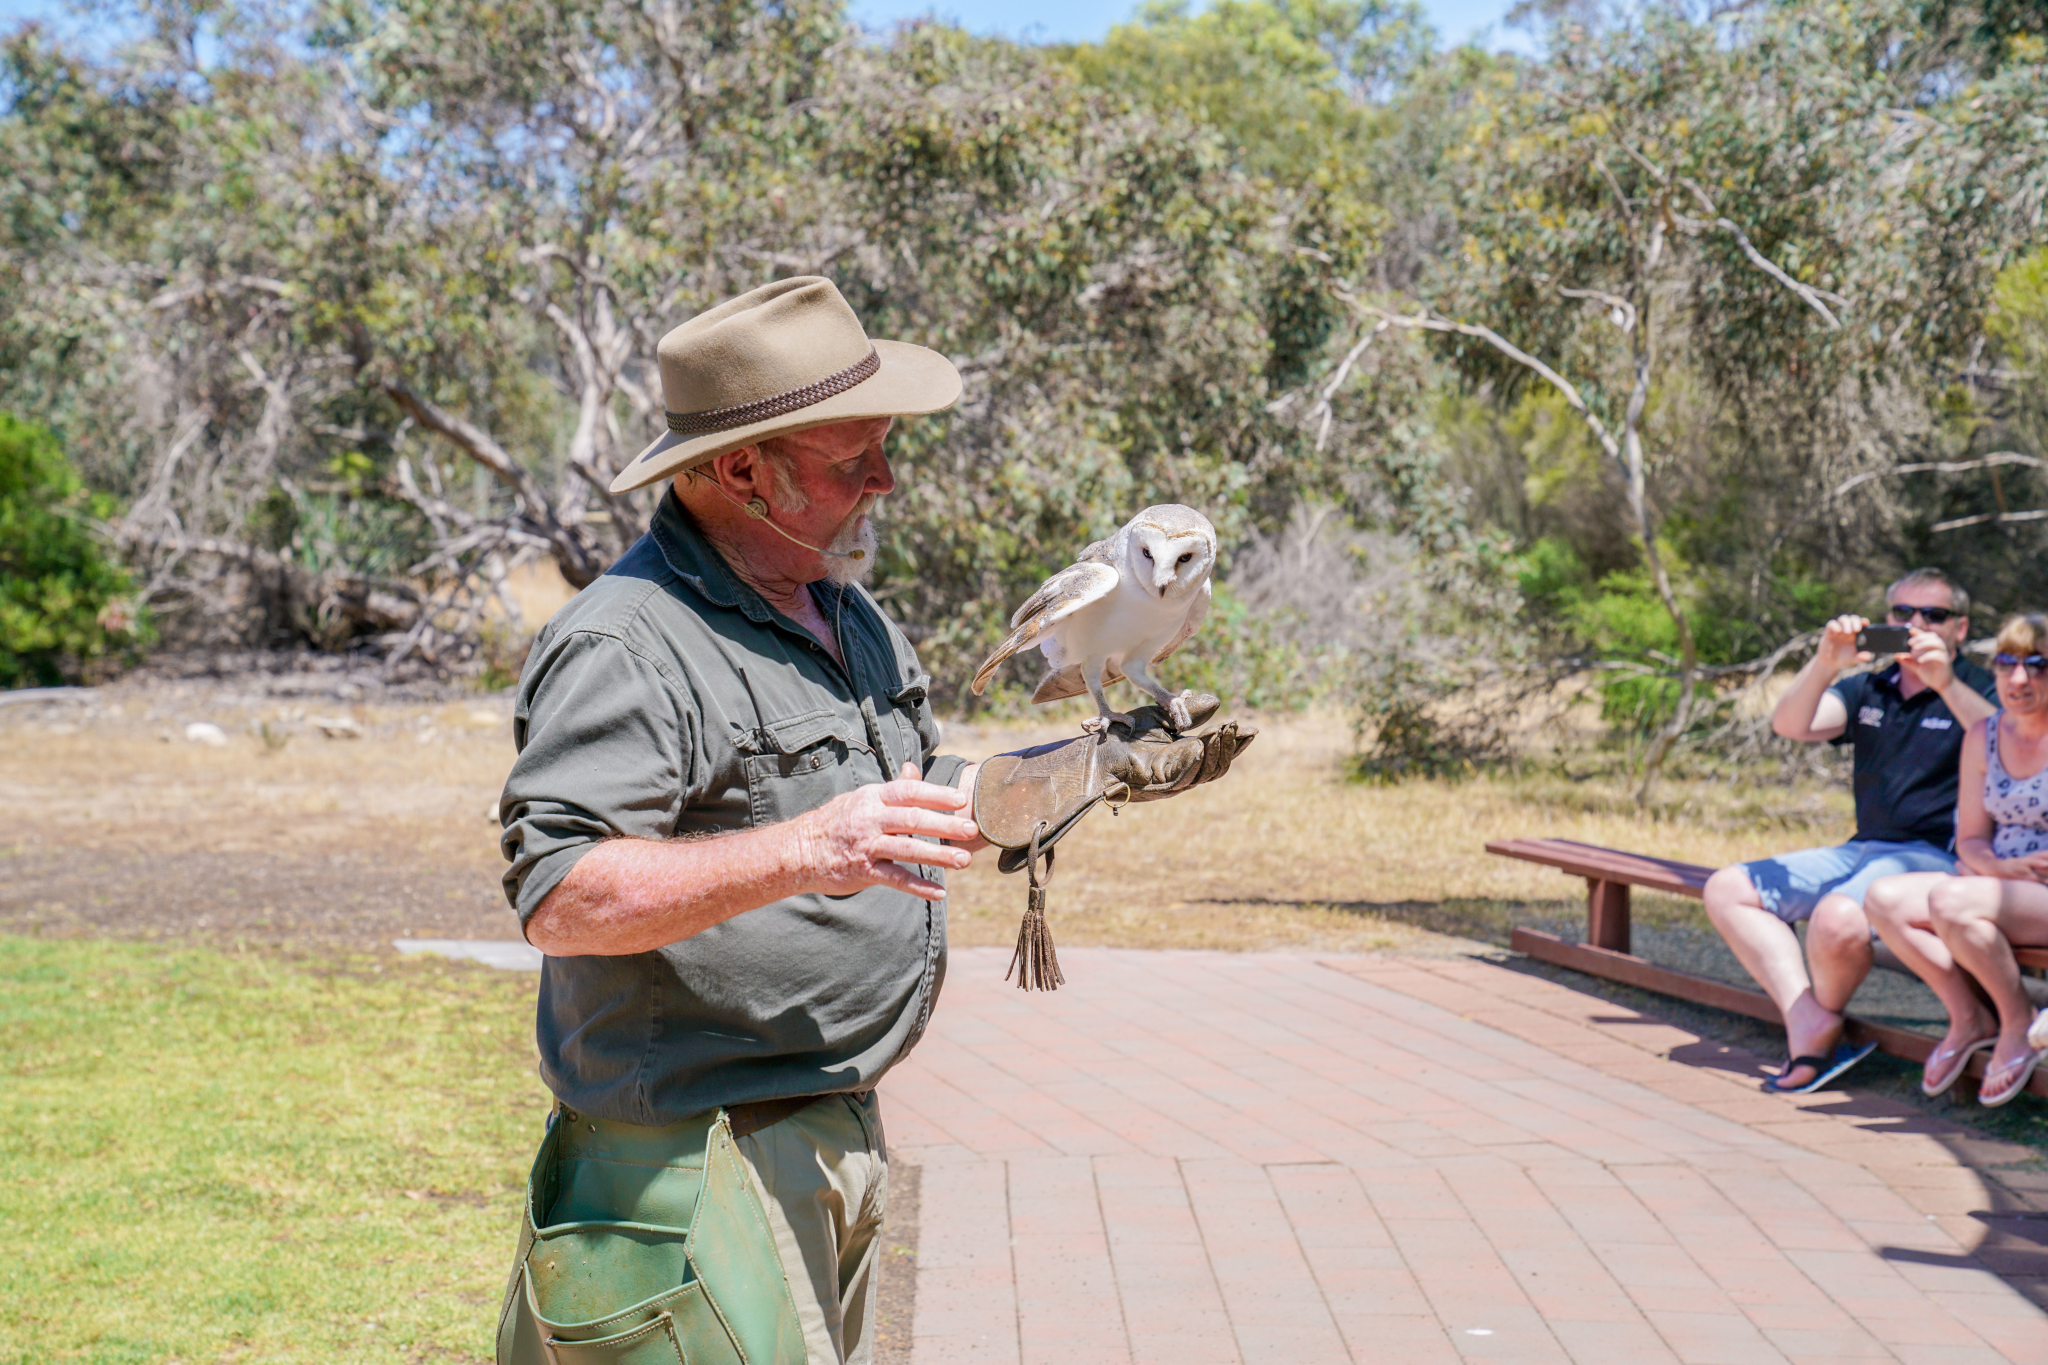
[{"x": 645, "y": 1246}]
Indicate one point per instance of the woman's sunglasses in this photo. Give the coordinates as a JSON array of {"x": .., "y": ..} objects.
[
  {"x": 2036, "y": 664},
  {"x": 1934, "y": 616}
]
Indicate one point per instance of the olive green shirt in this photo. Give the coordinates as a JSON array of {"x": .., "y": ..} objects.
[{"x": 669, "y": 700}]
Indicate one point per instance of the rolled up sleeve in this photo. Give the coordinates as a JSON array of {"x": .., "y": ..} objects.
[
  {"x": 605, "y": 749},
  {"x": 944, "y": 769}
]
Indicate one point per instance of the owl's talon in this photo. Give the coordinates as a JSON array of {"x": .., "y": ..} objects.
[
  {"x": 1095, "y": 725},
  {"x": 1177, "y": 714}
]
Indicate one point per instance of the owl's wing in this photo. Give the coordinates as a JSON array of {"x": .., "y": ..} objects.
[
  {"x": 1097, "y": 553},
  {"x": 1197, "y": 610},
  {"x": 1059, "y": 597}
]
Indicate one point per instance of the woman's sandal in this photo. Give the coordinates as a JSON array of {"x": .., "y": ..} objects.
[
  {"x": 2021, "y": 1071},
  {"x": 1956, "y": 1062}
]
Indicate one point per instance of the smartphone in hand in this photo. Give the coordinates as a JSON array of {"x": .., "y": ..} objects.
[{"x": 1884, "y": 639}]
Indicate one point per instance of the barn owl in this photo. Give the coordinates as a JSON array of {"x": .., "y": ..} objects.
[{"x": 1123, "y": 606}]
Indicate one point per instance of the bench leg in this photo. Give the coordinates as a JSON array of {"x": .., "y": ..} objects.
[{"x": 1607, "y": 914}]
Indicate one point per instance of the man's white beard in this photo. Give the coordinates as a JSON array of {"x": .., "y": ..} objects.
[{"x": 857, "y": 533}]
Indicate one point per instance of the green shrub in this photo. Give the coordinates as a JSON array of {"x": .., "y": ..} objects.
[
  {"x": 1443, "y": 715},
  {"x": 1245, "y": 658},
  {"x": 65, "y": 608}
]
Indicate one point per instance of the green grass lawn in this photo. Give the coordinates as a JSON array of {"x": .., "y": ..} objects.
[{"x": 213, "y": 1156}]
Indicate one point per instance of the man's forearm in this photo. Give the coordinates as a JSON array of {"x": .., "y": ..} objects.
[
  {"x": 1793, "y": 716},
  {"x": 1966, "y": 703},
  {"x": 636, "y": 895}
]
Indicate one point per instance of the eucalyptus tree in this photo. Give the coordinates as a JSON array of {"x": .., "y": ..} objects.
[
  {"x": 391, "y": 281},
  {"x": 1737, "y": 252}
]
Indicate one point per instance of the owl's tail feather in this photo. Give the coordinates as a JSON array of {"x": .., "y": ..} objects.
[{"x": 1035, "y": 953}]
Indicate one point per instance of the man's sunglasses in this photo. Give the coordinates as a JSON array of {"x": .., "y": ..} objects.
[
  {"x": 2036, "y": 664},
  {"x": 1934, "y": 616}
]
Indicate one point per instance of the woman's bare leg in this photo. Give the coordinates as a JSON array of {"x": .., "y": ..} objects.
[
  {"x": 1898, "y": 910},
  {"x": 1979, "y": 919}
]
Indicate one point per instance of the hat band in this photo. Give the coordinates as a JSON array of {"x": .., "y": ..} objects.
[{"x": 761, "y": 409}]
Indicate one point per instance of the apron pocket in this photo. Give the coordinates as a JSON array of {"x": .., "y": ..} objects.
[
  {"x": 653, "y": 1343},
  {"x": 626, "y": 1293},
  {"x": 586, "y": 1280},
  {"x": 606, "y": 1263}
]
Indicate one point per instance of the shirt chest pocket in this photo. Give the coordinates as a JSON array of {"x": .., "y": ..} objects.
[{"x": 797, "y": 765}]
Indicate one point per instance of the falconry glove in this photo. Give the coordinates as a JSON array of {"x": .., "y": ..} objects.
[{"x": 1027, "y": 801}]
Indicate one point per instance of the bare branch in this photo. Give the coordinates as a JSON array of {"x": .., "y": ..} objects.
[
  {"x": 1813, "y": 295},
  {"x": 802, "y": 265},
  {"x": 475, "y": 533},
  {"x": 1620, "y": 311},
  {"x": 155, "y": 503},
  {"x": 578, "y": 565},
  {"x": 1646, "y": 164},
  {"x": 1989, "y": 518},
  {"x": 1321, "y": 407},
  {"x": 1429, "y": 320},
  {"x": 1628, "y": 214},
  {"x": 2003, "y": 457},
  {"x": 171, "y": 298},
  {"x": 548, "y": 251}
]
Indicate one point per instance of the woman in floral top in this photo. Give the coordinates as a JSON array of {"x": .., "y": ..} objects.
[{"x": 1953, "y": 929}]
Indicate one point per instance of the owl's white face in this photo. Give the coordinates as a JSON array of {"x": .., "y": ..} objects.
[{"x": 1169, "y": 564}]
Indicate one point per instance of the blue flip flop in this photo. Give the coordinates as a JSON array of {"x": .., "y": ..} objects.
[{"x": 1825, "y": 1069}]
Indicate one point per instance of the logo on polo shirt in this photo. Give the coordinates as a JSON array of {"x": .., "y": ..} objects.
[
  {"x": 1870, "y": 715},
  {"x": 1937, "y": 723}
]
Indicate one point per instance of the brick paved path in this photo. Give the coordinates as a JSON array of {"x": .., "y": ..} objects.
[{"x": 1187, "y": 1158}]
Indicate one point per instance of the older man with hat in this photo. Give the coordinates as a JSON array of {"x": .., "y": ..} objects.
[{"x": 728, "y": 828}]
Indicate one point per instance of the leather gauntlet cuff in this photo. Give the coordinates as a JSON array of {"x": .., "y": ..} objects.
[
  {"x": 1026, "y": 801},
  {"x": 1047, "y": 789}
]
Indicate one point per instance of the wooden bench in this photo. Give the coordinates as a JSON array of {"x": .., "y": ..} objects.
[{"x": 1610, "y": 873}]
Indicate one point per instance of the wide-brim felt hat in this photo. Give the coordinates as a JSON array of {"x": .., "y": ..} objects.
[{"x": 784, "y": 357}]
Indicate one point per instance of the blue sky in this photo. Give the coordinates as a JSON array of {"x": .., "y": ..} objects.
[{"x": 1046, "y": 21}]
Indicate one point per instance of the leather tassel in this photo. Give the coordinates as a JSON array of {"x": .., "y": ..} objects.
[
  {"x": 1036, "y": 963},
  {"x": 1035, "y": 954}
]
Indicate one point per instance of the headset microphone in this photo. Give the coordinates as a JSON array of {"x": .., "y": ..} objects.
[{"x": 757, "y": 508}]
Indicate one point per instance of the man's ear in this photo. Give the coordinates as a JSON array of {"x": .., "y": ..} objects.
[{"x": 739, "y": 473}]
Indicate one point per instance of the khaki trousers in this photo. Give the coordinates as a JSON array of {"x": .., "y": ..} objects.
[{"x": 822, "y": 1177}]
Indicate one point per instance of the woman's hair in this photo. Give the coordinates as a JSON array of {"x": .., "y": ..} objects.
[{"x": 2022, "y": 633}]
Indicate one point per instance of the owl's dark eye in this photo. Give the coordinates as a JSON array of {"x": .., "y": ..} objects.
[
  {"x": 1145, "y": 552},
  {"x": 1185, "y": 558}
]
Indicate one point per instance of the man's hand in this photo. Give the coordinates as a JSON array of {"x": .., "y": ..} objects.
[
  {"x": 1838, "y": 643},
  {"x": 1928, "y": 659},
  {"x": 863, "y": 838}
]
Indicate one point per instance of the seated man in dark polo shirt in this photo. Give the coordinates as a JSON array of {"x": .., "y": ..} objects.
[{"x": 1907, "y": 724}]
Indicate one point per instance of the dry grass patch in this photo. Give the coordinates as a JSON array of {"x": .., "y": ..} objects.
[
  {"x": 1287, "y": 852},
  {"x": 116, "y": 830}
]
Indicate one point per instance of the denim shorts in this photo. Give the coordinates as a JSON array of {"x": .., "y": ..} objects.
[{"x": 1791, "y": 884}]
